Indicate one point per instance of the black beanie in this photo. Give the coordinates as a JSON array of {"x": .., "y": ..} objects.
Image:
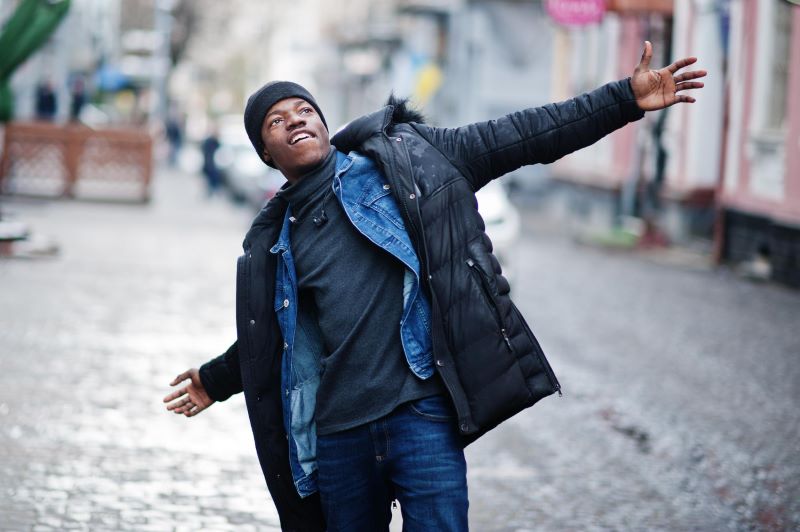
[{"x": 259, "y": 103}]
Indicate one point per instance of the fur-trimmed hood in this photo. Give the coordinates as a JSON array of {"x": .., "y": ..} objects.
[
  {"x": 403, "y": 111},
  {"x": 396, "y": 111}
]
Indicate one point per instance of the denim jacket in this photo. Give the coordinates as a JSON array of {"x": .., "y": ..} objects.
[{"x": 366, "y": 198}]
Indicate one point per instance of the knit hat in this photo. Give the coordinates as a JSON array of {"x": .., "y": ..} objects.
[{"x": 259, "y": 103}]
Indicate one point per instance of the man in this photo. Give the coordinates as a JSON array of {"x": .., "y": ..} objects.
[
  {"x": 46, "y": 101},
  {"x": 211, "y": 171},
  {"x": 376, "y": 337}
]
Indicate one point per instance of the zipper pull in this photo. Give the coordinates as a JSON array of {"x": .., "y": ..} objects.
[{"x": 505, "y": 337}]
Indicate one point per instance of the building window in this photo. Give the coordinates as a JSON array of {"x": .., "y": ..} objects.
[{"x": 779, "y": 75}]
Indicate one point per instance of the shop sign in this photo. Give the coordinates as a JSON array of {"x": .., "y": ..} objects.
[{"x": 576, "y": 12}]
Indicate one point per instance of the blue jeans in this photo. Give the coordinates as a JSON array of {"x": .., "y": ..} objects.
[{"x": 413, "y": 454}]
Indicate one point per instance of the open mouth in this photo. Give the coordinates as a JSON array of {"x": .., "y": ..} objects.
[{"x": 300, "y": 137}]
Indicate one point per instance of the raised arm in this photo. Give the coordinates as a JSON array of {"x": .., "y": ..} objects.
[{"x": 487, "y": 150}]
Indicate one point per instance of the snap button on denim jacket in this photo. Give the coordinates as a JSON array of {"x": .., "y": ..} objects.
[{"x": 366, "y": 198}]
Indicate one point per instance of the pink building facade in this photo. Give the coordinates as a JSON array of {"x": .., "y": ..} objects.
[
  {"x": 727, "y": 166},
  {"x": 759, "y": 195}
]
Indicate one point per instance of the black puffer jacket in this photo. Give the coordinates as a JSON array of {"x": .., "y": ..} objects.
[{"x": 488, "y": 358}]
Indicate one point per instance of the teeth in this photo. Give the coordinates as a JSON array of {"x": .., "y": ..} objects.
[{"x": 299, "y": 138}]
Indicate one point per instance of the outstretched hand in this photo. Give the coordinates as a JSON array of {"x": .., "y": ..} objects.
[
  {"x": 657, "y": 89},
  {"x": 192, "y": 398}
]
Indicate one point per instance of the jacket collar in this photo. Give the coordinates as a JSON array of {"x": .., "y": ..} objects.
[
  {"x": 359, "y": 130},
  {"x": 396, "y": 111},
  {"x": 270, "y": 215},
  {"x": 346, "y": 140}
]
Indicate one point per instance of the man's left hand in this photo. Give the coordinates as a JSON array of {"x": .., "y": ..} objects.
[
  {"x": 657, "y": 89},
  {"x": 192, "y": 398}
]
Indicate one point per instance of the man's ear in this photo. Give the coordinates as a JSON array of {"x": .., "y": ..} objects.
[{"x": 265, "y": 155}]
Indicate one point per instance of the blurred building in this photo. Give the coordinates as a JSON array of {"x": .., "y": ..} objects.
[
  {"x": 760, "y": 191},
  {"x": 458, "y": 60},
  {"x": 735, "y": 151},
  {"x": 88, "y": 32},
  {"x": 121, "y": 52},
  {"x": 674, "y": 153}
]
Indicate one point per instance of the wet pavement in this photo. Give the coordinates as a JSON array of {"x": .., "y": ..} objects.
[
  {"x": 679, "y": 412},
  {"x": 680, "y": 407}
]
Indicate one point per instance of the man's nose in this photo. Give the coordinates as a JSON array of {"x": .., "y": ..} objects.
[{"x": 294, "y": 120}]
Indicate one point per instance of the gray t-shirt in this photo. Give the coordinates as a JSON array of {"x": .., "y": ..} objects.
[{"x": 357, "y": 291}]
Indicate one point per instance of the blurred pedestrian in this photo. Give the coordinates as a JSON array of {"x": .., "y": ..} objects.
[
  {"x": 174, "y": 132},
  {"x": 211, "y": 171},
  {"x": 46, "y": 103},
  {"x": 77, "y": 98},
  {"x": 376, "y": 336}
]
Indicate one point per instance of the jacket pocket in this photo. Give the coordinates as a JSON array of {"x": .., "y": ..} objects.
[
  {"x": 488, "y": 298},
  {"x": 377, "y": 196}
]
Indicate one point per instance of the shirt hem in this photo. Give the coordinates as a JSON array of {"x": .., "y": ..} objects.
[{"x": 341, "y": 427}]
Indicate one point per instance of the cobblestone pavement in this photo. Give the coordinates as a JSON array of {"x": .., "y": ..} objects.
[
  {"x": 681, "y": 387},
  {"x": 679, "y": 413}
]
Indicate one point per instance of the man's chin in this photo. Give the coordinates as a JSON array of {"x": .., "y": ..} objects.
[{"x": 308, "y": 161}]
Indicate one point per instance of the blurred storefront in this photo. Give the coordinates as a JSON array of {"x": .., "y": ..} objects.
[
  {"x": 118, "y": 52},
  {"x": 664, "y": 165},
  {"x": 88, "y": 99},
  {"x": 88, "y": 36},
  {"x": 759, "y": 194},
  {"x": 459, "y": 61},
  {"x": 727, "y": 166},
  {"x": 735, "y": 151}
]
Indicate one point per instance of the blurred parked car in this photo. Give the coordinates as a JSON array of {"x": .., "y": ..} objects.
[
  {"x": 247, "y": 178},
  {"x": 502, "y": 222}
]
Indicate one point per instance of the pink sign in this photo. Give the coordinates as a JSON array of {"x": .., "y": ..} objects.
[{"x": 576, "y": 12}]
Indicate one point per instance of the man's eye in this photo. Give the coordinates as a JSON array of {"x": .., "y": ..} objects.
[
  {"x": 275, "y": 121},
  {"x": 305, "y": 110}
]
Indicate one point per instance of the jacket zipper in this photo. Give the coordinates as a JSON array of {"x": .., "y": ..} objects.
[
  {"x": 540, "y": 355},
  {"x": 490, "y": 302},
  {"x": 420, "y": 233},
  {"x": 421, "y": 238},
  {"x": 242, "y": 288}
]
